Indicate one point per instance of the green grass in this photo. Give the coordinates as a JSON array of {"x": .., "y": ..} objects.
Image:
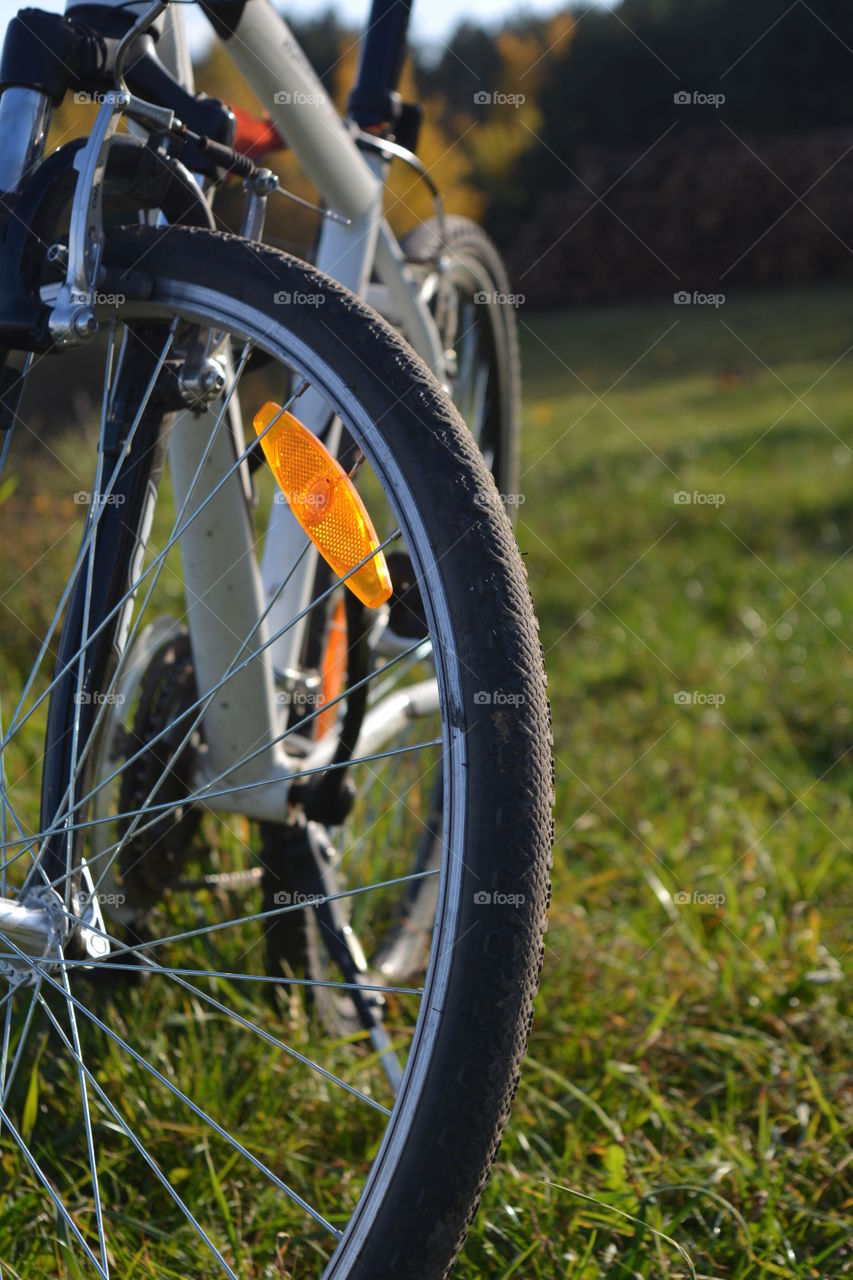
[
  {"x": 690, "y": 1064},
  {"x": 688, "y": 1078}
]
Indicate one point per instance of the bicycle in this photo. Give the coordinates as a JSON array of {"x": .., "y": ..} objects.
[{"x": 267, "y": 825}]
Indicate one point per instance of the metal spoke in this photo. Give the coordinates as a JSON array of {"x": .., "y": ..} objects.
[
  {"x": 13, "y": 1070},
  {"x": 204, "y": 795},
  {"x": 5, "y": 450},
  {"x": 157, "y": 565},
  {"x": 468, "y": 344},
  {"x": 6, "y": 1001},
  {"x": 204, "y": 792},
  {"x": 57, "y": 825},
  {"x": 6, "y": 1082},
  {"x": 200, "y": 706},
  {"x": 208, "y": 697},
  {"x": 266, "y": 1036},
  {"x": 176, "y": 534},
  {"x": 274, "y": 1041},
  {"x": 43, "y": 1179},
  {"x": 201, "y": 796},
  {"x": 62, "y": 821},
  {"x": 140, "y": 947},
  {"x": 478, "y": 400},
  {"x": 28, "y": 840},
  {"x": 178, "y": 1093},
  {"x": 6, "y": 808},
  {"x": 15, "y": 724},
  {"x": 388, "y": 686},
  {"x": 87, "y": 1116},
  {"x": 283, "y": 981},
  {"x": 152, "y": 1164},
  {"x": 7, "y": 1026},
  {"x": 152, "y": 567}
]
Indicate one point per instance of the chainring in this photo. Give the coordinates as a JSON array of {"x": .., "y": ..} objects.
[{"x": 152, "y": 860}]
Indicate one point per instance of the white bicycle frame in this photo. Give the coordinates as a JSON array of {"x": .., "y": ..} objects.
[{"x": 351, "y": 183}]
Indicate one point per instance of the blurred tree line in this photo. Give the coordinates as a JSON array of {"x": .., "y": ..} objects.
[{"x": 609, "y": 79}]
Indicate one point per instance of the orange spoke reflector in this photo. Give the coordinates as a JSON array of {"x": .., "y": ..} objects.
[{"x": 325, "y": 502}]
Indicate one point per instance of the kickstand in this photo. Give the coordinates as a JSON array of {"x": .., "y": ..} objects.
[{"x": 311, "y": 856}]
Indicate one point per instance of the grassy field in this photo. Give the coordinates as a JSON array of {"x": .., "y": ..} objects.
[
  {"x": 690, "y": 1063},
  {"x": 688, "y": 1081}
]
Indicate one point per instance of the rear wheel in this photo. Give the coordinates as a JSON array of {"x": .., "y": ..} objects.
[
  {"x": 214, "y": 1127},
  {"x": 466, "y": 280}
]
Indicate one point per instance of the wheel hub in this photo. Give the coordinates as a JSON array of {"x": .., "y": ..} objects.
[{"x": 33, "y": 928}]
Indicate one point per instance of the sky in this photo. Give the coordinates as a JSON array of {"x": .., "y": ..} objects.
[{"x": 432, "y": 20}]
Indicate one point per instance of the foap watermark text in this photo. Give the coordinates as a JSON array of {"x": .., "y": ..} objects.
[
  {"x": 696, "y": 498},
  {"x": 684, "y": 298},
  {"x": 695, "y": 698}
]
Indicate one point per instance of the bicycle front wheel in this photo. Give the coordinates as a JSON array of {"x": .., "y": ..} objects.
[{"x": 162, "y": 1083}]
